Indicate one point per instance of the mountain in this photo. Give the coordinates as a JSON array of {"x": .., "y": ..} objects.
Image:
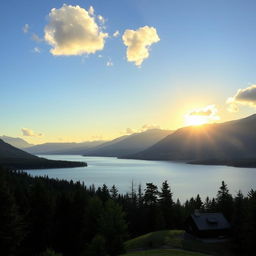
[
  {"x": 16, "y": 142},
  {"x": 15, "y": 158},
  {"x": 129, "y": 144},
  {"x": 63, "y": 148},
  {"x": 229, "y": 142}
]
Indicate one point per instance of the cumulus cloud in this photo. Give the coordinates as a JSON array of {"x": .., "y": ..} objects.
[
  {"x": 25, "y": 28},
  {"x": 30, "y": 133},
  {"x": 138, "y": 43},
  {"x": 73, "y": 30},
  {"x": 116, "y": 33},
  {"x": 246, "y": 96},
  {"x": 210, "y": 110}
]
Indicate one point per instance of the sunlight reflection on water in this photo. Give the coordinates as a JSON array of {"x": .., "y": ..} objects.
[{"x": 185, "y": 180}]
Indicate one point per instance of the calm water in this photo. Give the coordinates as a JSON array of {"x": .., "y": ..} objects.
[{"x": 185, "y": 180}]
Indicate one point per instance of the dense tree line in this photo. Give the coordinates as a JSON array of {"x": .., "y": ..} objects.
[{"x": 47, "y": 217}]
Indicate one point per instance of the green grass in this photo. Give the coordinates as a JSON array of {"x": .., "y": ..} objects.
[
  {"x": 173, "y": 239},
  {"x": 157, "y": 239},
  {"x": 163, "y": 252}
]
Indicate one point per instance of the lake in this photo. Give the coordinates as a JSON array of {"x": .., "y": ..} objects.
[{"x": 185, "y": 180}]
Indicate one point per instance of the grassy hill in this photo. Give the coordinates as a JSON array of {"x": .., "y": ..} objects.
[
  {"x": 164, "y": 252},
  {"x": 173, "y": 242}
]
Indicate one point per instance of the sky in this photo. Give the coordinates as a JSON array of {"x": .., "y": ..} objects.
[{"x": 92, "y": 70}]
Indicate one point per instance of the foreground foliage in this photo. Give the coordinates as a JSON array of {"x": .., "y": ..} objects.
[
  {"x": 164, "y": 252},
  {"x": 42, "y": 216}
]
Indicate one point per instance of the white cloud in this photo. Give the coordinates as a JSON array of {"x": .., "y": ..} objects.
[
  {"x": 30, "y": 133},
  {"x": 91, "y": 10},
  {"x": 73, "y": 31},
  {"x": 246, "y": 96},
  {"x": 138, "y": 43},
  {"x": 36, "y": 50},
  {"x": 202, "y": 115},
  {"x": 25, "y": 28},
  {"x": 101, "y": 19},
  {"x": 116, "y": 33},
  {"x": 207, "y": 111},
  {"x": 110, "y": 63},
  {"x": 36, "y": 38}
]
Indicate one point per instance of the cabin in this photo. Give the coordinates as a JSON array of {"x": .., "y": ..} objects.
[{"x": 208, "y": 225}]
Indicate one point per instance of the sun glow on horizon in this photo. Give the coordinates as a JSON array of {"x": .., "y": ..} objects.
[
  {"x": 195, "y": 120},
  {"x": 201, "y": 116}
]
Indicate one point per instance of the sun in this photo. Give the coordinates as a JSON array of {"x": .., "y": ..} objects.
[
  {"x": 201, "y": 116},
  {"x": 195, "y": 120}
]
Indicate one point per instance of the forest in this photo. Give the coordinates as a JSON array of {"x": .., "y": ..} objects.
[{"x": 48, "y": 217}]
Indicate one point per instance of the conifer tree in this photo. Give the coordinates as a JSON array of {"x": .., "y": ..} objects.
[
  {"x": 166, "y": 204},
  {"x": 151, "y": 194},
  {"x": 225, "y": 201}
]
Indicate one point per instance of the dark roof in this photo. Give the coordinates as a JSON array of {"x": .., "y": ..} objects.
[{"x": 210, "y": 221}]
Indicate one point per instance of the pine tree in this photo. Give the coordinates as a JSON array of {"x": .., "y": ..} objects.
[
  {"x": 225, "y": 201},
  {"x": 207, "y": 204},
  {"x": 166, "y": 204},
  {"x": 151, "y": 194},
  {"x": 113, "y": 192},
  {"x": 198, "y": 202}
]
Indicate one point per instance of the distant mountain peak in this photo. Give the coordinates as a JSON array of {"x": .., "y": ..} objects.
[{"x": 16, "y": 142}]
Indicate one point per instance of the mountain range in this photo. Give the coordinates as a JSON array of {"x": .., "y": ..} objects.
[
  {"x": 121, "y": 146},
  {"x": 231, "y": 143},
  {"x": 62, "y": 148},
  {"x": 129, "y": 144}
]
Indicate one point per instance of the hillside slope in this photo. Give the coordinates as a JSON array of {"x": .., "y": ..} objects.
[
  {"x": 129, "y": 144},
  {"x": 225, "y": 141},
  {"x": 15, "y": 158},
  {"x": 71, "y": 148},
  {"x": 16, "y": 142}
]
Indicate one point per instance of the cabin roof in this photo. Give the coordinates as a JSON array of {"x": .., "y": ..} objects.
[{"x": 210, "y": 221}]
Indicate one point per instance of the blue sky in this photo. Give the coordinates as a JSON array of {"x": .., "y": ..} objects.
[{"x": 206, "y": 53}]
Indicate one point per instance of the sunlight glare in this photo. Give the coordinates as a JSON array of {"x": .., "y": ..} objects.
[{"x": 195, "y": 120}]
